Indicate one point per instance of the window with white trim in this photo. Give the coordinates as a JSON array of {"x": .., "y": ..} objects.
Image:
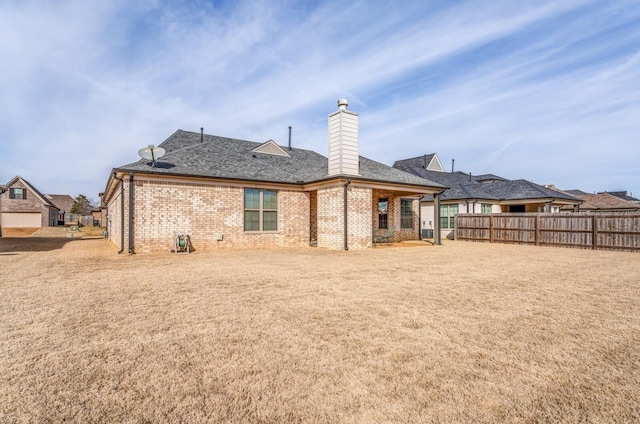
[
  {"x": 485, "y": 208},
  {"x": 448, "y": 216}
]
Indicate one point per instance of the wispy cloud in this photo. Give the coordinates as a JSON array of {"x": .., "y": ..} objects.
[{"x": 537, "y": 90}]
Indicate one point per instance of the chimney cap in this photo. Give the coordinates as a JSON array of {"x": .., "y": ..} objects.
[{"x": 343, "y": 103}]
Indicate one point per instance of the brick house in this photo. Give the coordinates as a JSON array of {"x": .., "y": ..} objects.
[
  {"x": 23, "y": 206},
  {"x": 604, "y": 202},
  {"x": 64, "y": 203},
  {"x": 229, "y": 193}
]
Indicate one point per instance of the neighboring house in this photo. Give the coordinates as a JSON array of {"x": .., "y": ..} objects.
[
  {"x": 623, "y": 195},
  {"x": 98, "y": 215},
  {"x": 605, "y": 202},
  {"x": 23, "y": 206},
  {"x": 486, "y": 193},
  {"x": 64, "y": 203},
  {"x": 229, "y": 193}
]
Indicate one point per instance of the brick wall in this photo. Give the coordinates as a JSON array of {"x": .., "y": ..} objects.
[
  {"x": 394, "y": 216},
  {"x": 359, "y": 200},
  {"x": 331, "y": 217},
  {"x": 205, "y": 212}
]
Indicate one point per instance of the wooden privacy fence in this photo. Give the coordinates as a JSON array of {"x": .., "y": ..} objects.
[{"x": 578, "y": 230}]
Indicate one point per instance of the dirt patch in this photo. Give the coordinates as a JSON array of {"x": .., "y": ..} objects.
[
  {"x": 18, "y": 232},
  {"x": 463, "y": 332}
]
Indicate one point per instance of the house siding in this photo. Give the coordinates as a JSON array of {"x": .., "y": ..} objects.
[
  {"x": 343, "y": 143},
  {"x": 114, "y": 218},
  {"x": 205, "y": 212}
]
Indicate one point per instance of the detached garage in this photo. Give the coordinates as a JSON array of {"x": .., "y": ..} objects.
[{"x": 23, "y": 206}]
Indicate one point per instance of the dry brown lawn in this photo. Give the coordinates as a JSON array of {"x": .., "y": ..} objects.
[{"x": 462, "y": 332}]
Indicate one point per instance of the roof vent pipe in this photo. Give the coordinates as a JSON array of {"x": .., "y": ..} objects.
[
  {"x": 453, "y": 161},
  {"x": 201, "y": 135},
  {"x": 289, "y": 137}
]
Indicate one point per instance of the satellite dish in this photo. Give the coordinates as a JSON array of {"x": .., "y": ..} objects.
[{"x": 151, "y": 153}]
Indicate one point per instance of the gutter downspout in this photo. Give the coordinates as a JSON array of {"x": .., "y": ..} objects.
[
  {"x": 121, "y": 212},
  {"x": 131, "y": 212},
  {"x": 2, "y": 191},
  {"x": 346, "y": 215},
  {"x": 420, "y": 218}
]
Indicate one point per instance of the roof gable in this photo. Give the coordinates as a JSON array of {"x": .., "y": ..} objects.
[
  {"x": 434, "y": 164},
  {"x": 270, "y": 148},
  {"x": 428, "y": 162},
  {"x": 31, "y": 188}
]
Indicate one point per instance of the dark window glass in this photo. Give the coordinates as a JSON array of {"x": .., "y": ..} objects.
[
  {"x": 383, "y": 213},
  {"x": 406, "y": 213}
]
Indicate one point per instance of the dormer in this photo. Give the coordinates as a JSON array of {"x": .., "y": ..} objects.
[{"x": 270, "y": 148}]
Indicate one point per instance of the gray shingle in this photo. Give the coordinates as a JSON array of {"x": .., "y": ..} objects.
[
  {"x": 487, "y": 186},
  {"x": 221, "y": 157}
]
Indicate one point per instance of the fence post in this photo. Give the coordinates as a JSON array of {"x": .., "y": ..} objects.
[
  {"x": 538, "y": 229},
  {"x": 594, "y": 231},
  {"x": 491, "y": 228}
]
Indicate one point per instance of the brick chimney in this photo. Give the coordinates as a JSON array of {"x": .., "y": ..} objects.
[{"x": 343, "y": 141}]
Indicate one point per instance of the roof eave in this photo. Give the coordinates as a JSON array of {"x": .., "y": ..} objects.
[{"x": 437, "y": 188}]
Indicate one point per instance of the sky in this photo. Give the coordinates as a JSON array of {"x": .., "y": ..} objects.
[{"x": 546, "y": 91}]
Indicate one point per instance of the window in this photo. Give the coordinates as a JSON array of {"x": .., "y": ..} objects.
[
  {"x": 517, "y": 208},
  {"x": 448, "y": 216},
  {"x": 17, "y": 193},
  {"x": 383, "y": 213},
  {"x": 406, "y": 213},
  {"x": 260, "y": 210},
  {"x": 485, "y": 208}
]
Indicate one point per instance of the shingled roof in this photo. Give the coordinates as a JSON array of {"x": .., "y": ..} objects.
[
  {"x": 194, "y": 155},
  {"x": 42, "y": 197},
  {"x": 486, "y": 187},
  {"x": 62, "y": 201},
  {"x": 606, "y": 202},
  {"x": 624, "y": 195}
]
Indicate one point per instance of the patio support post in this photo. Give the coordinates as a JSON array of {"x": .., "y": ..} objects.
[
  {"x": 437, "y": 240},
  {"x": 346, "y": 216},
  {"x": 2, "y": 191}
]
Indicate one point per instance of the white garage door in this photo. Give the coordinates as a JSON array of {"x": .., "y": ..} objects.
[{"x": 21, "y": 220}]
